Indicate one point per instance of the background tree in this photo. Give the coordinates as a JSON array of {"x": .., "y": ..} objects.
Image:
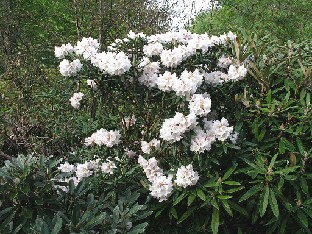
[{"x": 283, "y": 19}]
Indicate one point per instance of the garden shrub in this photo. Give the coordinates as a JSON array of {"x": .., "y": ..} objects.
[{"x": 173, "y": 122}]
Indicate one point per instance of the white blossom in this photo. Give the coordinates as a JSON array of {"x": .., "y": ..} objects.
[
  {"x": 75, "y": 100},
  {"x": 200, "y": 104},
  {"x": 150, "y": 168},
  {"x": 68, "y": 68},
  {"x": 66, "y": 167},
  {"x": 108, "y": 167},
  {"x": 103, "y": 137},
  {"x": 186, "y": 176},
  {"x": 63, "y": 50},
  {"x": 87, "y": 47},
  {"x": 161, "y": 187}
]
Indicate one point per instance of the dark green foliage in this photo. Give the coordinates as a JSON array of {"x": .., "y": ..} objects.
[
  {"x": 31, "y": 202},
  {"x": 282, "y": 19}
]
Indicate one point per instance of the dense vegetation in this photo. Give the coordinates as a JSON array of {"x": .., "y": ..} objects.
[
  {"x": 281, "y": 19},
  {"x": 61, "y": 174}
]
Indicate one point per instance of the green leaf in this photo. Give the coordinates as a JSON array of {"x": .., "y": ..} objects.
[
  {"x": 231, "y": 182},
  {"x": 273, "y": 160},
  {"x": 215, "y": 220},
  {"x": 303, "y": 219},
  {"x": 251, "y": 192},
  {"x": 273, "y": 203},
  {"x": 300, "y": 146},
  {"x": 288, "y": 145},
  {"x": 234, "y": 189},
  {"x": 280, "y": 183},
  {"x": 159, "y": 212},
  {"x": 57, "y": 226},
  {"x": 227, "y": 207},
  {"x": 187, "y": 214},
  {"x": 140, "y": 228},
  {"x": 304, "y": 185},
  {"x": 224, "y": 197},
  {"x": 190, "y": 199},
  {"x": 229, "y": 172},
  {"x": 174, "y": 213},
  {"x": 281, "y": 147},
  {"x": 214, "y": 203},
  {"x": 179, "y": 199},
  {"x": 201, "y": 194},
  {"x": 264, "y": 200},
  {"x": 211, "y": 184}
]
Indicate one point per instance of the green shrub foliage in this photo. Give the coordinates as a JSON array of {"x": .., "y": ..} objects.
[{"x": 109, "y": 182}]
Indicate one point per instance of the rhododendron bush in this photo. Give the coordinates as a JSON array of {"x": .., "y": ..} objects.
[{"x": 153, "y": 93}]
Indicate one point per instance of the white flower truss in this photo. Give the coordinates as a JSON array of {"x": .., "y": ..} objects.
[
  {"x": 103, "y": 137},
  {"x": 186, "y": 176},
  {"x": 75, "y": 100}
]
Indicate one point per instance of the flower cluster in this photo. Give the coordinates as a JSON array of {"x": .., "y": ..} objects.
[
  {"x": 150, "y": 167},
  {"x": 186, "y": 176},
  {"x": 200, "y": 104},
  {"x": 173, "y": 129},
  {"x": 103, "y": 137},
  {"x": 161, "y": 186},
  {"x": 63, "y": 50},
  {"x": 87, "y": 47},
  {"x": 82, "y": 170},
  {"x": 213, "y": 130},
  {"x": 235, "y": 73},
  {"x": 112, "y": 63},
  {"x": 146, "y": 147},
  {"x": 75, "y": 100},
  {"x": 68, "y": 68}
]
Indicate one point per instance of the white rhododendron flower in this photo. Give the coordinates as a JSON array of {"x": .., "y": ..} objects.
[
  {"x": 82, "y": 170},
  {"x": 66, "y": 167},
  {"x": 188, "y": 83},
  {"x": 221, "y": 129},
  {"x": 237, "y": 73},
  {"x": 153, "y": 49},
  {"x": 200, "y": 104},
  {"x": 150, "y": 168},
  {"x": 68, "y": 68},
  {"x": 146, "y": 147},
  {"x": 186, "y": 176},
  {"x": 161, "y": 187},
  {"x": 216, "y": 78},
  {"x": 172, "y": 129},
  {"x": 75, "y": 100},
  {"x": 87, "y": 47},
  {"x": 108, "y": 167},
  {"x": 166, "y": 81},
  {"x": 112, "y": 63},
  {"x": 224, "y": 62},
  {"x": 171, "y": 58},
  {"x": 103, "y": 137},
  {"x": 202, "y": 140},
  {"x": 63, "y": 50},
  {"x": 150, "y": 72}
]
